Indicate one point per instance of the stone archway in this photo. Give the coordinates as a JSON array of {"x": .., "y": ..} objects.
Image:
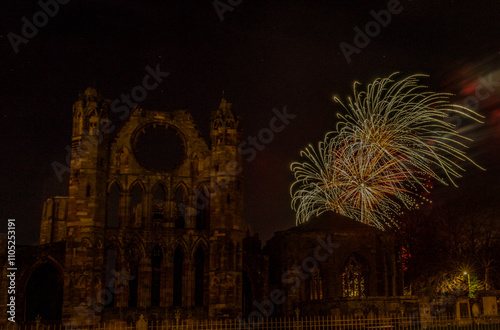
[{"x": 44, "y": 294}]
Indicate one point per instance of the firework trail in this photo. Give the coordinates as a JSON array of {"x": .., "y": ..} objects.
[
  {"x": 392, "y": 139},
  {"x": 358, "y": 183}
]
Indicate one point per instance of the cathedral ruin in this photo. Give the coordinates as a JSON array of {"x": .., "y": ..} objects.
[
  {"x": 159, "y": 232},
  {"x": 153, "y": 225}
]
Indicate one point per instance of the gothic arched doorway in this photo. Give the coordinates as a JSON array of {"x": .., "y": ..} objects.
[{"x": 44, "y": 294}]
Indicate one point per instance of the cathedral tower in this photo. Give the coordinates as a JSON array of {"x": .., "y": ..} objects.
[
  {"x": 86, "y": 212},
  {"x": 226, "y": 212}
]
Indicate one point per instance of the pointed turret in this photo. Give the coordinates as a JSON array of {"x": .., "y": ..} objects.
[
  {"x": 88, "y": 112},
  {"x": 225, "y": 127}
]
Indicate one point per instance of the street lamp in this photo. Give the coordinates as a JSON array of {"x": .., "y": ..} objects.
[{"x": 468, "y": 281}]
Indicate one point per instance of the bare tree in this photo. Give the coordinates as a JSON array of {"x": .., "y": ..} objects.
[{"x": 460, "y": 235}]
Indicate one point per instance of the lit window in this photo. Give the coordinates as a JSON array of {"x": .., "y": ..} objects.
[
  {"x": 353, "y": 281},
  {"x": 316, "y": 287}
]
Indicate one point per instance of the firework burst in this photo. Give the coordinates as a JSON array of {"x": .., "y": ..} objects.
[
  {"x": 359, "y": 183},
  {"x": 410, "y": 123},
  {"x": 392, "y": 139}
]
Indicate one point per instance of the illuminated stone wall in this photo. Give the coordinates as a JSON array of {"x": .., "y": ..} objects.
[{"x": 141, "y": 239}]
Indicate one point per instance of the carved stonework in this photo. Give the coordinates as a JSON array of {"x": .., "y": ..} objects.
[
  {"x": 100, "y": 228},
  {"x": 122, "y": 158}
]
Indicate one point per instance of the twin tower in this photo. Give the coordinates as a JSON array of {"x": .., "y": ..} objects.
[{"x": 153, "y": 222}]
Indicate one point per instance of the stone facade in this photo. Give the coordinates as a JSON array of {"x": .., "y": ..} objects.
[
  {"x": 136, "y": 239},
  {"x": 333, "y": 265},
  {"x": 53, "y": 224},
  {"x": 141, "y": 233}
]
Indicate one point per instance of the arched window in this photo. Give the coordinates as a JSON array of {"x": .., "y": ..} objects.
[
  {"x": 390, "y": 275},
  {"x": 94, "y": 124},
  {"x": 316, "y": 287},
  {"x": 159, "y": 198},
  {"x": 113, "y": 220},
  {"x": 353, "y": 280},
  {"x": 111, "y": 259},
  {"x": 136, "y": 206},
  {"x": 202, "y": 209},
  {"x": 181, "y": 201},
  {"x": 156, "y": 259},
  {"x": 133, "y": 284},
  {"x": 77, "y": 124},
  {"x": 199, "y": 277},
  {"x": 177, "y": 283}
]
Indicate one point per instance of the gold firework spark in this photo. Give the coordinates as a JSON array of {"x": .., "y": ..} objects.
[
  {"x": 410, "y": 122},
  {"x": 392, "y": 139},
  {"x": 359, "y": 183}
]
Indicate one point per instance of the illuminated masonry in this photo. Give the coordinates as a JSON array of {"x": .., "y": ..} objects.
[{"x": 149, "y": 234}]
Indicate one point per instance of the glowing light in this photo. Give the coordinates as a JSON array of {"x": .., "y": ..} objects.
[
  {"x": 391, "y": 141},
  {"x": 358, "y": 183},
  {"x": 401, "y": 116}
]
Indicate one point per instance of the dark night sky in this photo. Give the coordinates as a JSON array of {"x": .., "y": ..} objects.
[{"x": 264, "y": 54}]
